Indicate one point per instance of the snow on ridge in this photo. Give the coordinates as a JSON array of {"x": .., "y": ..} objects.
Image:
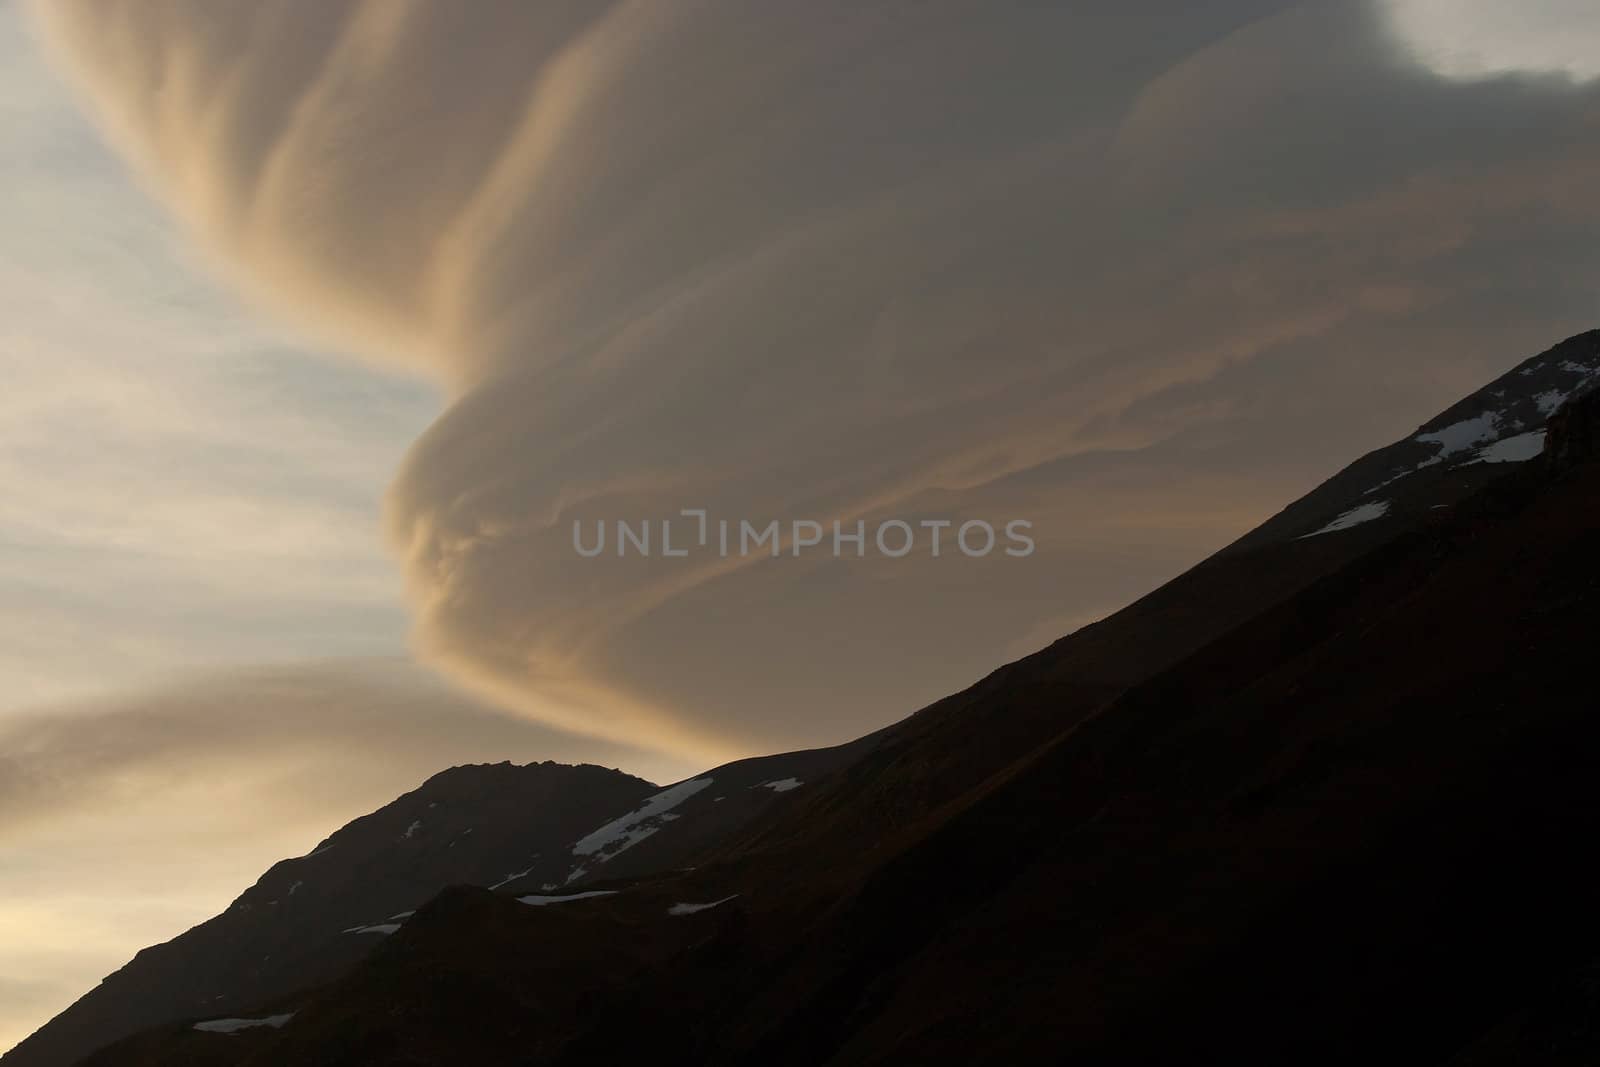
[
  {"x": 780, "y": 785},
  {"x": 412, "y": 829},
  {"x": 1493, "y": 437},
  {"x": 233, "y": 1026},
  {"x": 539, "y": 900},
  {"x": 1454, "y": 439},
  {"x": 623, "y": 833},
  {"x": 1460, "y": 436},
  {"x": 1551, "y": 399},
  {"x": 689, "y": 909},
  {"x": 1357, "y": 515}
]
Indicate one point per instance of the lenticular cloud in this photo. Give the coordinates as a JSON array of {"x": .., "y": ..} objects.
[{"x": 922, "y": 262}]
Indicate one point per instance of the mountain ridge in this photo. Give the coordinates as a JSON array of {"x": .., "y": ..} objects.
[
  {"x": 305, "y": 920},
  {"x": 1453, "y": 454},
  {"x": 509, "y": 826},
  {"x": 800, "y": 911}
]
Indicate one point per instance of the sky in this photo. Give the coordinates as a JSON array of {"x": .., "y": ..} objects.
[
  {"x": 322, "y": 324},
  {"x": 203, "y": 655},
  {"x": 185, "y": 483}
]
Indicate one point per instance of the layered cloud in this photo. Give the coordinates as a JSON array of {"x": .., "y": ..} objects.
[{"x": 1133, "y": 273}]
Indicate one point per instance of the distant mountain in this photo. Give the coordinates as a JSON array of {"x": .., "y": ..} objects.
[
  {"x": 533, "y": 828},
  {"x": 1325, "y": 797},
  {"x": 309, "y": 919}
]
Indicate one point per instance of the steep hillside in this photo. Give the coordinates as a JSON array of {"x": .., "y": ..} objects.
[
  {"x": 308, "y": 919},
  {"x": 529, "y": 829},
  {"x": 1450, "y": 456},
  {"x": 1352, "y": 827},
  {"x": 1203, "y": 799}
]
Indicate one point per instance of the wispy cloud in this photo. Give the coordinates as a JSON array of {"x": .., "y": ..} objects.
[{"x": 181, "y": 484}]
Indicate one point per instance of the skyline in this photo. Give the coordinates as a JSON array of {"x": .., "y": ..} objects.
[{"x": 298, "y": 414}]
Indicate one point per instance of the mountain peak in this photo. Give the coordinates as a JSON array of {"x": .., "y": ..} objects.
[
  {"x": 308, "y": 918},
  {"x": 1448, "y": 457}
]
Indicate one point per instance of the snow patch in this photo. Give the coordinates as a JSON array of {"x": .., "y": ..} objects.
[
  {"x": 233, "y": 1026},
  {"x": 508, "y": 879},
  {"x": 387, "y": 927},
  {"x": 623, "y": 833},
  {"x": 1518, "y": 449},
  {"x": 412, "y": 829},
  {"x": 539, "y": 900},
  {"x": 780, "y": 785},
  {"x": 690, "y": 909},
  {"x": 1549, "y": 400},
  {"x": 1377, "y": 509},
  {"x": 1460, "y": 436}
]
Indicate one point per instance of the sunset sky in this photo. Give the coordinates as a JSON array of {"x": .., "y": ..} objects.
[{"x": 321, "y": 322}]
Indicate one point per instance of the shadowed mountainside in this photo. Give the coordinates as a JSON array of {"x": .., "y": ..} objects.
[{"x": 1324, "y": 793}]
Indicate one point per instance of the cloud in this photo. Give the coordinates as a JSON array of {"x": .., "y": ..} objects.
[
  {"x": 1142, "y": 274},
  {"x": 1474, "y": 39},
  {"x": 283, "y": 729},
  {"x": 185, "y": 484}
]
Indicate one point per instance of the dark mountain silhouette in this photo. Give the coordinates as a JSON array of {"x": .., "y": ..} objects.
[
  {"x": 308, "y": 919},
  {"x": 1450, "y": 456},
  {"x": 1327, "y": 796}
]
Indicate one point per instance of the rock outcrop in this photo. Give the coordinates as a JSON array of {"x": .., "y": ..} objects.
[{"x": 1573, "y": 433}]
